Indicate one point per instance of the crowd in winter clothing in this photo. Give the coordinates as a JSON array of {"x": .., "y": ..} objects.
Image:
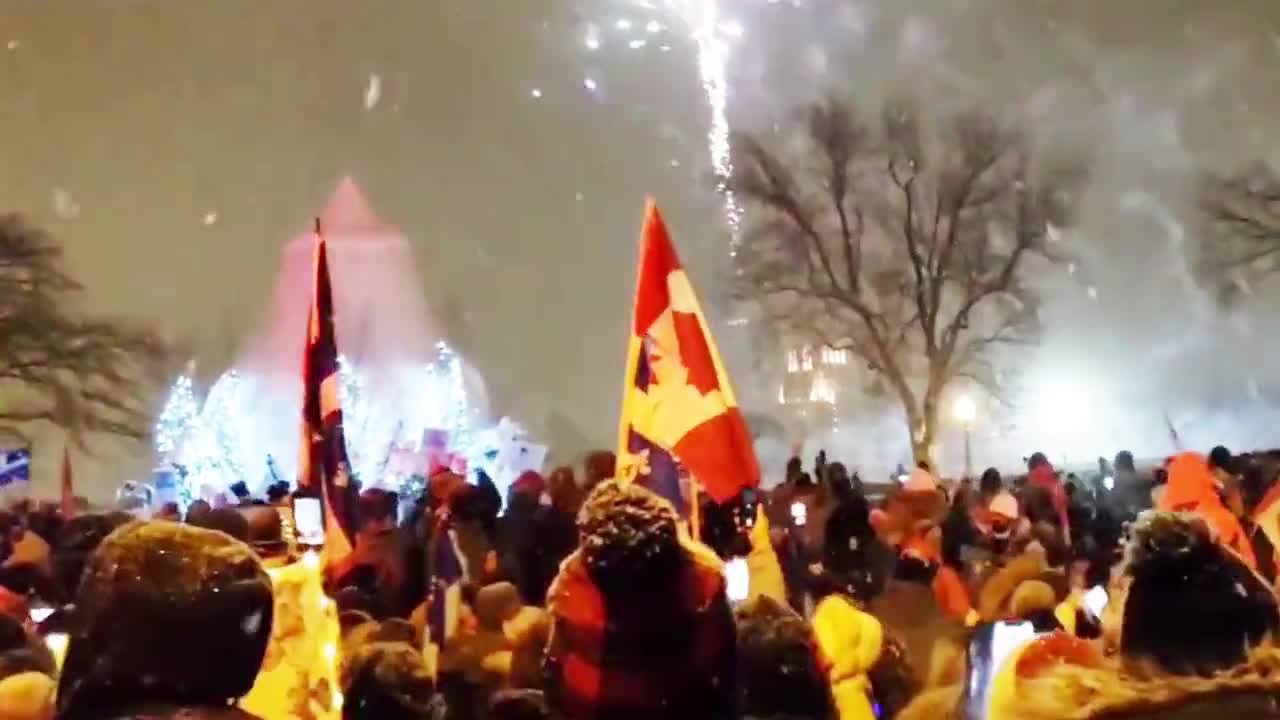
[{"x": 581, "y": 598}]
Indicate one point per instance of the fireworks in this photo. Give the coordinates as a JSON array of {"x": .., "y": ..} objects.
[{"x": 644, "y": 24}]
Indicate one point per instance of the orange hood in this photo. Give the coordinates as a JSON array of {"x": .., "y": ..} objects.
[{"x": 1190, "y": 483}]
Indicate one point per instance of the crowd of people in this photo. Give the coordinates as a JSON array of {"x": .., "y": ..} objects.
[{"x": 1114, "y": 594}]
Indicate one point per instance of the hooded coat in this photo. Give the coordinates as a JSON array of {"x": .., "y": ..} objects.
[
  {"x": 1042, "y": 479},
  {"x": 172, "y": 621},
  {"x": 850, "y": 642},
  {"x": 1191, "y": 489},
  {"x": 669, "y": 654},
  {"x": 1112, "y": 692},
  {"x": 762, "y": 563}
]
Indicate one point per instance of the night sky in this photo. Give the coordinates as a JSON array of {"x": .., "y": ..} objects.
[{"x": 175, "y": 146}]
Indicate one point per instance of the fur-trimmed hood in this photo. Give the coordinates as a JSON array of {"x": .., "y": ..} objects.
[
  {"x": 1108, "y": 692},
  {"x": 1250, "y": 691}
]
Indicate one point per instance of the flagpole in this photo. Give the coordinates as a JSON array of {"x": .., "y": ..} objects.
[
  {"x": 624, "y": 469},
  {"x": 695, "y": 510}
]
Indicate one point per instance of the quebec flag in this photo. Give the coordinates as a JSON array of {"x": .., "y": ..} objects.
[
  {"x": 678, "y": 409},
  {"x": 16, "y": 467}
]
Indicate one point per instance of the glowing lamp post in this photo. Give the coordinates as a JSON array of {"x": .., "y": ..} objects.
[{"x": 965, "y": 412}]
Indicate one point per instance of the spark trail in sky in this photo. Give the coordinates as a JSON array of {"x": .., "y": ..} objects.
[
  {"x": 647, "y": 23},
  {"x": 712, "y": 36}
]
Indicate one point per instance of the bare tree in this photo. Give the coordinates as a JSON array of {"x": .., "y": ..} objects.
[
  {"x": 907, "y": 246},
  {"x": 1241, "y": 244},
  {"x": 86, "y": 375}
]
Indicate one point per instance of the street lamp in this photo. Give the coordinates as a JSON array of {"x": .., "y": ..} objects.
[{"x": 965, "y": 411}]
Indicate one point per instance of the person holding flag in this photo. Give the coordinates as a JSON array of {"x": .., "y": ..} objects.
[{"x": 678, "y": 408}]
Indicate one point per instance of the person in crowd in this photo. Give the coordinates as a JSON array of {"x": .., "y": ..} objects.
[
  {"x": 1222, "y": 465},
  {"x": 1191, "y": 489},
  {"x": 388, "y": 681},
  {"x": 990, "y": 484},
  {"x": 1196, "y": 631},
  {"x": 764, "y": 571},
  {"x": 470, "y": 519},
  {"x": 555, "y": 526},
  {"x": 640, "y": 623},
  {"x": 383, "y": 563},
  {"x": 1044, "y": 498},
  {"x": 27, "y": 696},
  {"x": 517, "y": 531},
  {"x": 172, "y": 621},
  {"x": 1132, "y": 494},
  {"x": 241, "y": 492},
  {"x": 482, "y": 655},
  {"x": 597, "y": 466},
  {"x": 866, "y": 667},
  {"x": 196, "y": 510},
  {"x": 959, "y": 531},
  {"x": 225, "y": 520},
  {"x": 778, "y": 671},
  {"x": 519, "y": 705},
  {"x": 849, "y": 538}
]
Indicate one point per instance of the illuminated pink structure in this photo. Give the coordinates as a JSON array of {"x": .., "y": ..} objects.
[{"x": 400, "y": 378}]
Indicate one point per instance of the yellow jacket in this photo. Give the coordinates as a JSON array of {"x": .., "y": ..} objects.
[
  {"x": 762, "y": 564},
  {"x": 850, "y": 642}
]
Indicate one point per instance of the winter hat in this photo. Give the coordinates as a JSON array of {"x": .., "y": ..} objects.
[
  {"x": 849, "y": 644},
  {"x": 1192, "y": 607},
  {"x": 529, "y": 482},
  {"x": 1004, "y": 505},
  {"x": 1031, "y": 597},
  {"x": 920, "y": 481},
  {"x": 497, "y": 604},
  {"x": 388, "y": 681},
  {"x": 519, "y": 705},
  {"x": 153, "y": 592},
  {"x": 27, "y": 696}
]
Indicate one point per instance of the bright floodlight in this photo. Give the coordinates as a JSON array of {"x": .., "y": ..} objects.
[{"x": 965, "y": 411}]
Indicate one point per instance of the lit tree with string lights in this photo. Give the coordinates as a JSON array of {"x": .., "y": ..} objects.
[{"x": 180, "y": 411}]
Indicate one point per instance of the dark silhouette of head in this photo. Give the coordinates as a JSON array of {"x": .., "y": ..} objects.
[
  {"x": 629, "y": 539},
  {"x": 1193, "y": 608},
  {"x": 152, "y": 593},
  {"x": 1036, "y": 460},
  {"x": 778, "y": 673}
]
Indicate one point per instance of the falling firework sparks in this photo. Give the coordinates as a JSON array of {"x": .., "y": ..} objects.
[
  {"x": 644, "y": 24},
  {"x": 713, "y": 61}
]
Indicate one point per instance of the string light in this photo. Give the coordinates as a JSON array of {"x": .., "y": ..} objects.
[
  {"x": 180, "y": 410},
  {"x": 213, "y": 442}
]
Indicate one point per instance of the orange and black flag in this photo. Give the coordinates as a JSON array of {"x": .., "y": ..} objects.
[
  {"x": 323, "y": 469},
  {"x": 678, "y": 409}
]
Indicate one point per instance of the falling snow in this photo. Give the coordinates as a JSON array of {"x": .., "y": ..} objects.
[
  {"x": 372, "y": 91},
  {"x": 64, "y": 205}
]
